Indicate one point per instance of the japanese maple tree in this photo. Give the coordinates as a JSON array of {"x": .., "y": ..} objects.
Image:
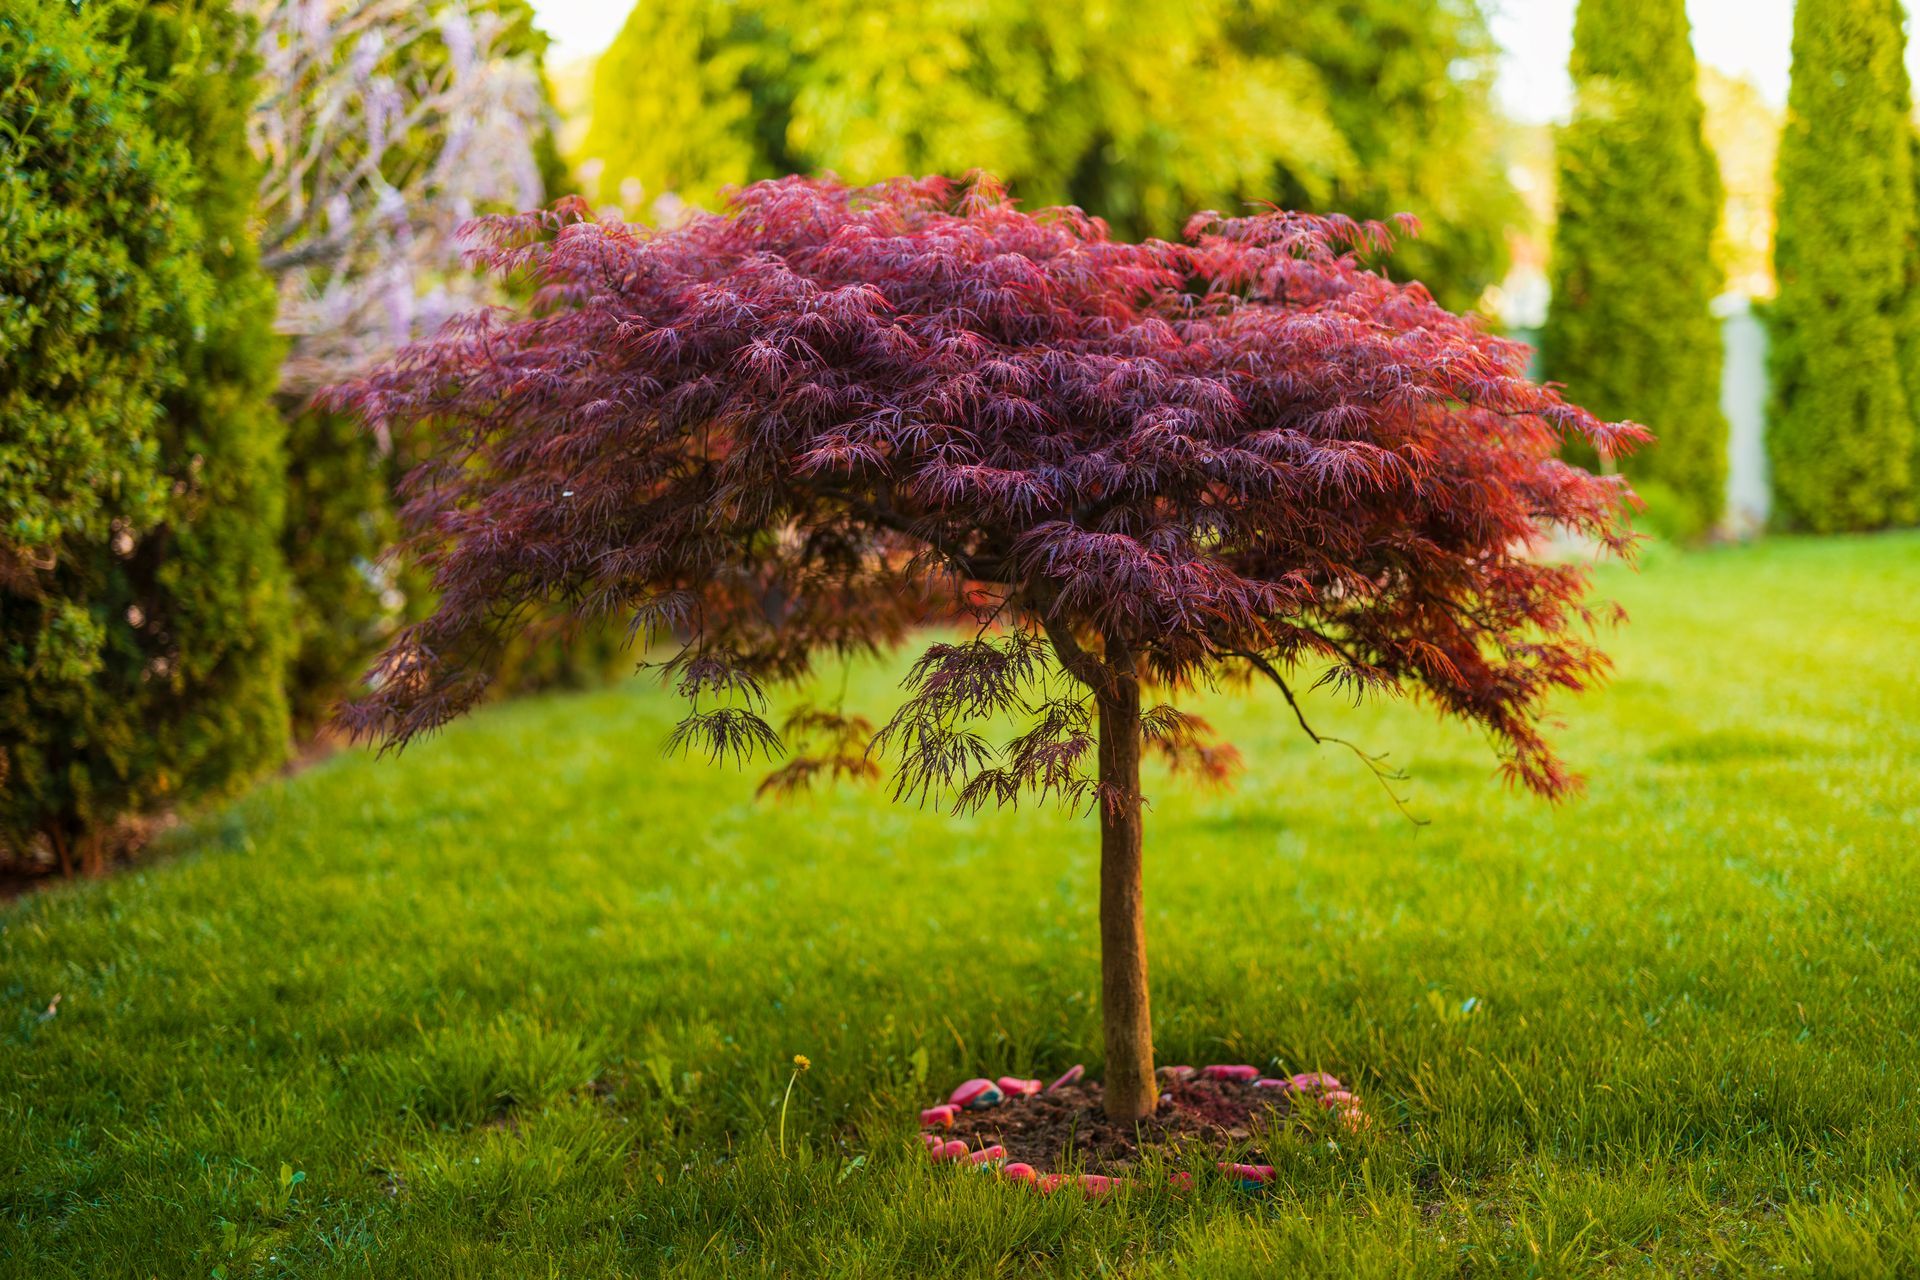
[{"x": 828, "y": 415}]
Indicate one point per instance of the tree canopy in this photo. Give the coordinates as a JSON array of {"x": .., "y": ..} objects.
[
  {"x": 1137, "y": 113},
  {"x": 811, "y": 422}
]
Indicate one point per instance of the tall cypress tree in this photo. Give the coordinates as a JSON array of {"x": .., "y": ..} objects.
[
  {"x": 1907, "y": 343},
  {"x": 101, "y": 282},
  {"x": 207, "y": 680},
  {"x": 143, "y": 651},
  {"x": 1842, "y": 435},
  {"x": 1630, "y": 330}
]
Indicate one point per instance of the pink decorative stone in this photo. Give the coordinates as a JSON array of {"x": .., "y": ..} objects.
[
  {"x": 1071, "y": 1076},
  {"x": 977, "y": 1095},
  {"x": 1223, "y": 1072},
  {"x": 1249, "y": 1172},
  {"x": 981, "y": 1093}
]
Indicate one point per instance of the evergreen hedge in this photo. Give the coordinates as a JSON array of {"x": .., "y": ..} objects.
[
  {"x": 339, "y": 521},
  {"x": 212, "y": 581},
  {"x": 1907, "y": 346},
  {"x": 98, "y": 281},
  {"x": 1841, "y": 435},
  {"x": 142, "y": 611},
  {"x": 1630, "y": 330}
]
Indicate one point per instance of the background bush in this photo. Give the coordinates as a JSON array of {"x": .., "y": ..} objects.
[
  {"x": 1139, "y": 113},
  {"x": 1841, "y": 433},
  {"x": 340, "y": 519},
  {"x": 347, "y": 600},
  {"x": 482, "y": 147},
  {"x": 1630, "y": 330}
]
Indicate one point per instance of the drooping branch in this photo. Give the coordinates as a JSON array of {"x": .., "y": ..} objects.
[{"x": 1376, "y": 764}]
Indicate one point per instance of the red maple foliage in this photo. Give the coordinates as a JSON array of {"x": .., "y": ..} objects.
[{"x": 829, "y": 414}]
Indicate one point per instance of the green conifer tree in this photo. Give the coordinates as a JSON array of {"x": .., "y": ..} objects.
[
  {"x": 1841, "y": 435},
  {"x": 143, "y": 626},
  {"x": 100, "y": 279},
  {"x": 1907, "y": 510},
  {"x": 210, "y": 584},
  {"x": 1630, "y": 330}
]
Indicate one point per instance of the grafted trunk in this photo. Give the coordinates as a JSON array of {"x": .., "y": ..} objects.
[{"x": 1131, "y": 1091}]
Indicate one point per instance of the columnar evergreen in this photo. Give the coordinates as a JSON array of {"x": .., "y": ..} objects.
[
  {"x": 1631, "y": 332},
  {"x": 98, "y": 282},
  {"x": 1908, "y": 342},
  {"x": 210, "y": 585},
  {"x": 1842, "y": 435},
  {"x": 142, "y": 599},
  {"x": 339, "y": 517}
]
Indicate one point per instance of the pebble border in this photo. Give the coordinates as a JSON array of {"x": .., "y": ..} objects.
[{"x": 981, "y": 1094}]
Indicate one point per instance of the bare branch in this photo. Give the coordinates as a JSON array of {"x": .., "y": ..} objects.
[{"x": 1376, "y": 764}]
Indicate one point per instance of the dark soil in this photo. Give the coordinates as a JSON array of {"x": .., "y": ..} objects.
[
  {"x": 1067, "y": 1129},
  {"x": 125, "y": 841}
]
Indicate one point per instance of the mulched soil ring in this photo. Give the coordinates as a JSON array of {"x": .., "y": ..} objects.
[{"x": 1038, "y": 1134}]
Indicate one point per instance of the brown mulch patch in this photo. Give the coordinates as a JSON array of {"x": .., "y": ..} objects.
[{"x": 1067, "y": 1128}]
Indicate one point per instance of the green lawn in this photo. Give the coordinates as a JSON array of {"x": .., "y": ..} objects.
[{"x": 522, "y": 1002}]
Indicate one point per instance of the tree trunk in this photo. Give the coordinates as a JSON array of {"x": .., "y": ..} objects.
[
  {"x": 1131, "y": 1090},
  {"x": 93, "y": 854},
  {"x": 58, "y": 839}
]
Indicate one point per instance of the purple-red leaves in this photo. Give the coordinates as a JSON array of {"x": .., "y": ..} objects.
[{"x": 829, "y": 414}]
